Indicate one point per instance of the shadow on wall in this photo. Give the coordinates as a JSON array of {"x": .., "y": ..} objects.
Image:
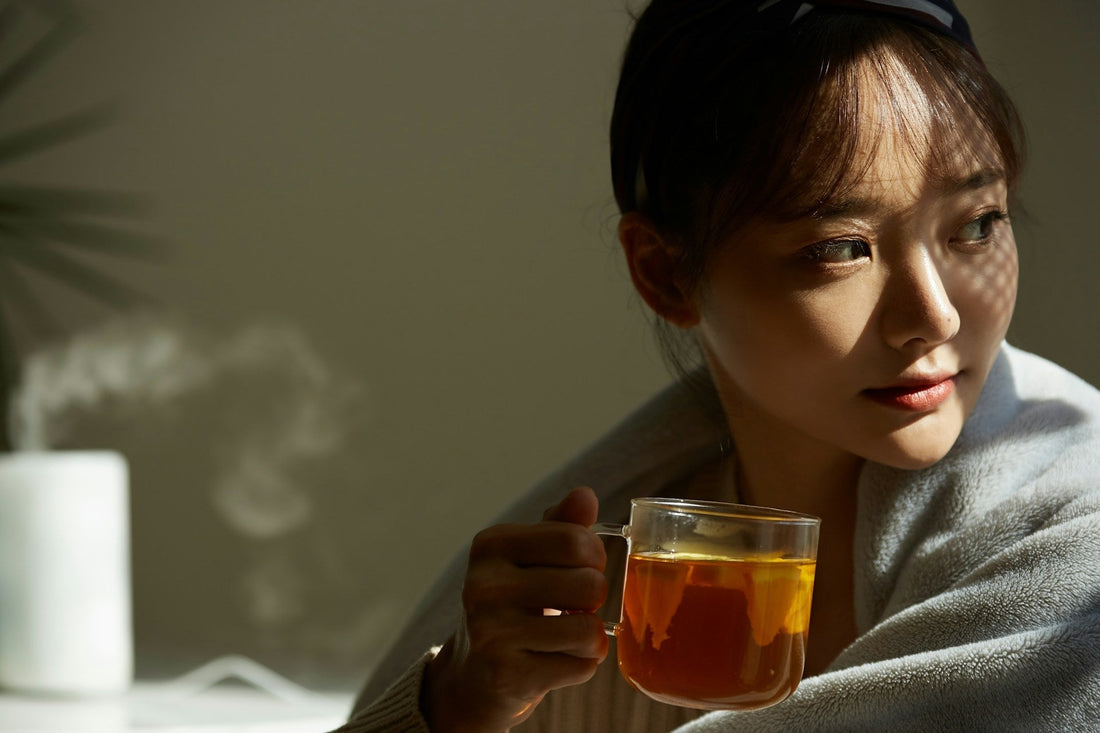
[{"x": 240, "y": 453}]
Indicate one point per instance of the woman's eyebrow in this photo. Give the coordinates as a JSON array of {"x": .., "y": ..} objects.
[
  {"x": 847, "y": 207},
  {"x": 977, "y": 179}
]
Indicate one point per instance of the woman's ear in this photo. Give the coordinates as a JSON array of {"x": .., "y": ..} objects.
[{"x": 653, "y": 268}]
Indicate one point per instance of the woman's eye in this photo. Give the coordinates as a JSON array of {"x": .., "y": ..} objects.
[
  {"x": 980, "y": 230},
  {"x": 836, "y": 251}
]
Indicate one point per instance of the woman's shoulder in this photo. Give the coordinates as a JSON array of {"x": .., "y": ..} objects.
[
  {"x": 1041, "y": 380},
  {"x": 1030, "y": 400}
]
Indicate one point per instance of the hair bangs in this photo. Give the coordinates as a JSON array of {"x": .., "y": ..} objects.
[{"x": 844, "y": 86}]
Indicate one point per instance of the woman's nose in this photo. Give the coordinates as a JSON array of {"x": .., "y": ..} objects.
[{"x": 918, "y": 311}]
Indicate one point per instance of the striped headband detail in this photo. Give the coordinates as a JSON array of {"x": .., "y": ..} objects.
[{"x": 939, "y": 15}]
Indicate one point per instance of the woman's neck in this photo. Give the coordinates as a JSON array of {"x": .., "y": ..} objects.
[{"x": 779, "y": 467}]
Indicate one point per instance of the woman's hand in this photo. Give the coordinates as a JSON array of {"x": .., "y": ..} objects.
[{"x": 507, "y": 653}]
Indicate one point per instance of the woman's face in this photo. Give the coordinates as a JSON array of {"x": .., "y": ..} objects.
[{"x": 870, "y": 327}]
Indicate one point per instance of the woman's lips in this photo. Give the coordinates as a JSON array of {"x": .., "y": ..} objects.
[{"x": 918, "y": 397}]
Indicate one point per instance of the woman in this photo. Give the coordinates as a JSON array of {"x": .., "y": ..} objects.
[{"x": 817, "y": 197}]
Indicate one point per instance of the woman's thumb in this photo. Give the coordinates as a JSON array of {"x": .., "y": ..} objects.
[{"x": 580, "y": 506}]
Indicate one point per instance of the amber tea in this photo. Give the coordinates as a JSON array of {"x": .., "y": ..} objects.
[{"x": 713, "y": 633}]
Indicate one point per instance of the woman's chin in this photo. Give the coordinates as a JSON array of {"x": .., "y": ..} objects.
[
  {"x": 912, "y": 462},
  {"x": 923, "y": 442},
  {"x": 917, "y": 447}
]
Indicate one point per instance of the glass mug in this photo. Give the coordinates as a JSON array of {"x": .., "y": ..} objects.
[{"x": 716, "y": 601}]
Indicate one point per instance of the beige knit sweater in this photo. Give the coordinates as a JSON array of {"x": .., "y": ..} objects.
[{"x": 605, "y": 703}]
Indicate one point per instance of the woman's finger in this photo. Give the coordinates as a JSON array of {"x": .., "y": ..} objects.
[
  {"x": 502, "y": 635},
  {"x": 551, "y": 544},
  {"x": 576, "y": 634},
  {"x": 533, "y": 589},
  {"x": 580, "y": 506}
]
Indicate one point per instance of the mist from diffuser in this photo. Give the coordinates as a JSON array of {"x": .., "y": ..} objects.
[
  {"x": 255, "y": 418},
  {"x": 144, "y": 365}
]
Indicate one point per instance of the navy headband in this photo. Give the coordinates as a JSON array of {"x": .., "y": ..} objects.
[{"x": 939, "y": 15}]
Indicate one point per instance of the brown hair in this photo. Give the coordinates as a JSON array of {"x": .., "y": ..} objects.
[{"x": 720, "y": 119}]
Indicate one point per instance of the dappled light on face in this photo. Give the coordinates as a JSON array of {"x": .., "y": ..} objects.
[
  {"x": 994, "y": 280},
  {"x": 994, "y": 272}
]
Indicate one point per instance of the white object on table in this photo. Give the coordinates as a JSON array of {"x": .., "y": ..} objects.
[{"x": 65, "y": 619}]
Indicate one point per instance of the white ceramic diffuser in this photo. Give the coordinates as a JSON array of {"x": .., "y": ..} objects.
[{"x": 65, "y": 598}]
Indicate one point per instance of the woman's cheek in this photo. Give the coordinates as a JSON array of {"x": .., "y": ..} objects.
[
  {"x": 833, "y": 323},
  {"x": 987, "y": 291}
]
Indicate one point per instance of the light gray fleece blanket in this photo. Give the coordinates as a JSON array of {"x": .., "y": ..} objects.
[{"x": 977, "y": 580}]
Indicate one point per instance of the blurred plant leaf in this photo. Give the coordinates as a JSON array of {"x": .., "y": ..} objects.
[
  {"x": 51, "y": 214},
  {"x": 20, "y": 299},
  {"x": 51, "y": 200},
  {"x": 52, "y": 231},
  {"x": 47, "y": 135},
  {"x": 23, "y": 246},
  {"x": 98, "y": 238},
  {"x": 64, "y": 24}
]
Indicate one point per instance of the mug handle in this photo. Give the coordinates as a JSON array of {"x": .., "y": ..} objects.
[{"x": 614, "y": 530}]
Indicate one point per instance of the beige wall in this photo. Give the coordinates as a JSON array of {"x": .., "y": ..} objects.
[
  {"x": 1048, "y": 56},
  {"x": 418, "y": 189}
]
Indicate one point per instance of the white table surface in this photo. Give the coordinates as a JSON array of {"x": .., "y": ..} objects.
[{"x": 155, "y": 709}]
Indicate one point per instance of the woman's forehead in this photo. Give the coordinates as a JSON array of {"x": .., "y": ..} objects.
[
  {"x": 913, "y": 161},
  {"x": 901, "y": 133}
]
